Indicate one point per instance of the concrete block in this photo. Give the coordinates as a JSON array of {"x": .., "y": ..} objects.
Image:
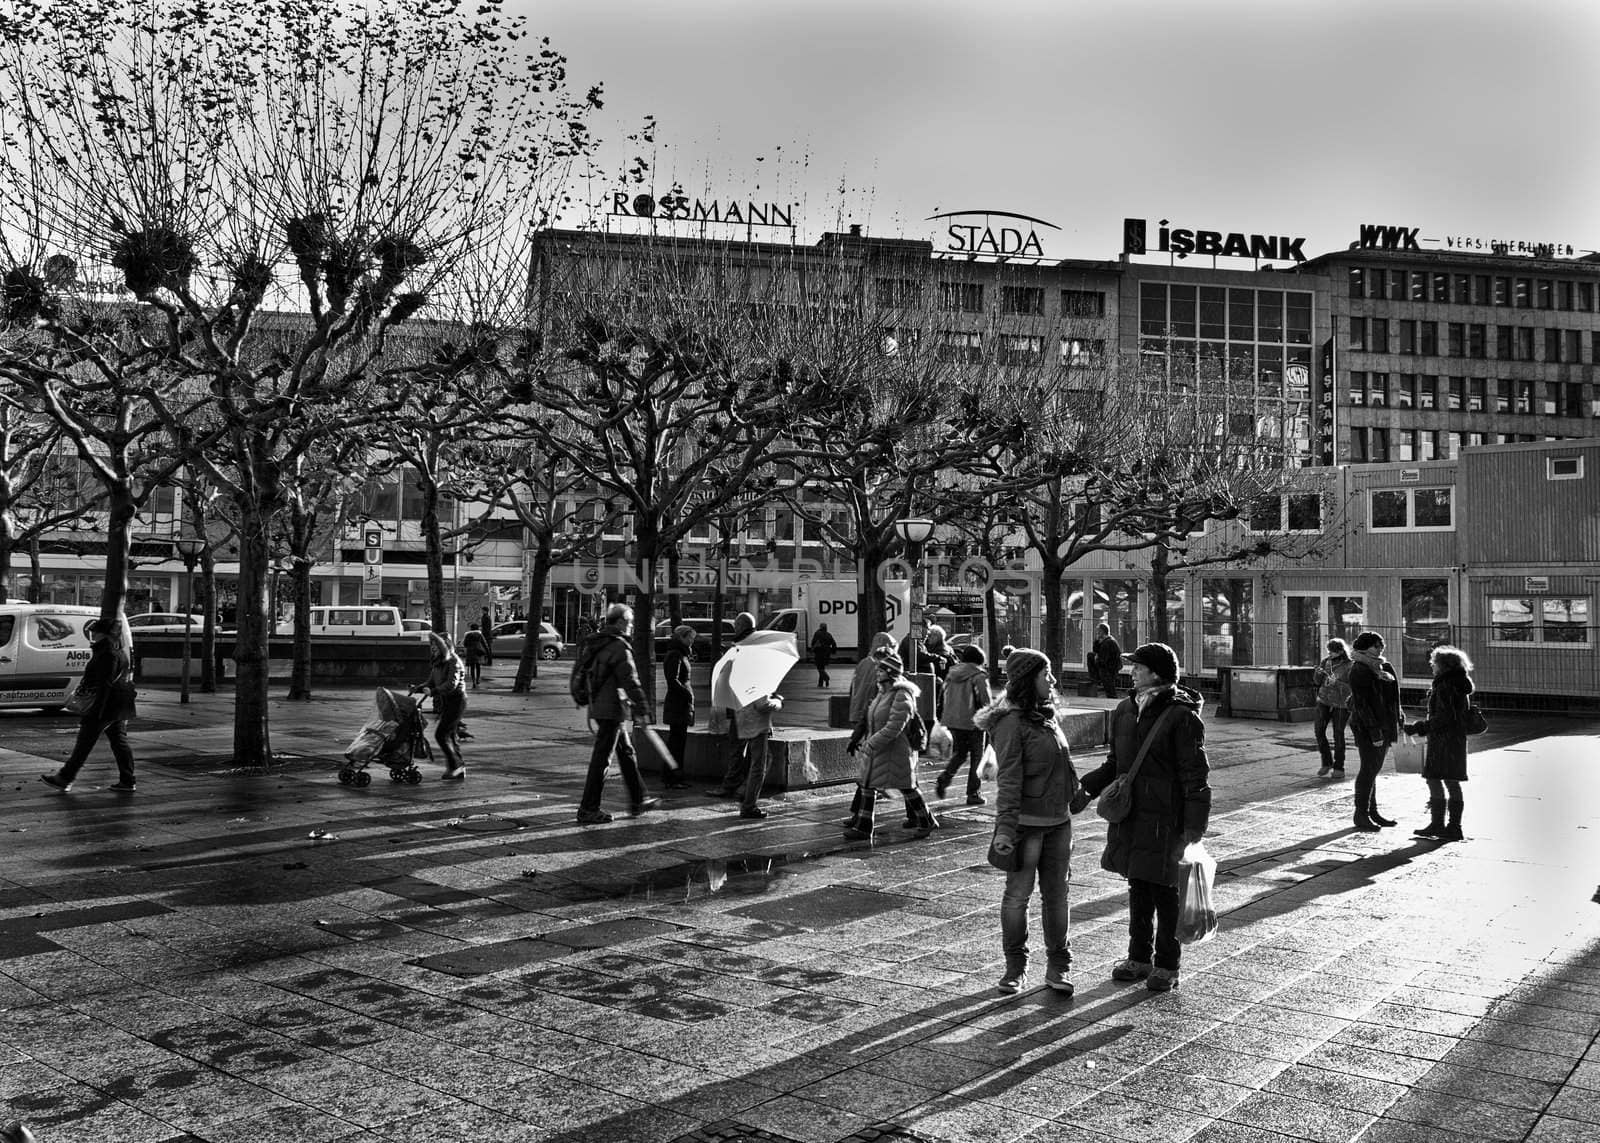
[{"x": 796, "y": 758}]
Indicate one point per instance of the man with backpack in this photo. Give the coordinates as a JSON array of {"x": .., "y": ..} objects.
[{"x": 606, "y": 680}]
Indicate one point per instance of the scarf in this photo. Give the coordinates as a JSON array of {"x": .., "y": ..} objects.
[
  {"x": 1142, "y": 696},
  {"x": 1372, "y": 659}
]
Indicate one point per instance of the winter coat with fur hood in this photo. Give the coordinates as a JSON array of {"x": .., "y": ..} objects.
[
  {"x": 888, "y": 762},
  {"x": 1036, "y": 780},
  {"x": 1446, "y": 726},
  {"x": 1171, "y": 794}
]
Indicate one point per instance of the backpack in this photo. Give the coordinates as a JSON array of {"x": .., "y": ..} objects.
[
  {"x": 916, "y": 730},
  {"x": 583, "y": 684}
]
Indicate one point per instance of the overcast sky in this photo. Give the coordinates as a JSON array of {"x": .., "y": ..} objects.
[{"x": 1294, "y": 117}]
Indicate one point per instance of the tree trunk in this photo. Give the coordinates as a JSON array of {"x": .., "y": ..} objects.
[
  {"x": 991, "y": 627},
  {"x": 119, "y": 515},
  {"x": 646, "y": 551},
  {"x": 206, "y": 588},
  {"x": 1160, "y": 565},
  {"x": 1055, "y": 611},
  {"x": 252, "y": 739},
  {"x": 872, "y": 602},
  {"x": 35, "y": 587},
  {"x": 528, "y": 665},
  {"x": 433, "y": 548}
]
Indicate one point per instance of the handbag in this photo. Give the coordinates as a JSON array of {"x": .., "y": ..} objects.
[
  {"x": 1408, "y": 755},
  {"x": 1116, "y": 800},
  {"x": 1475, "y": 722},
  {"x": 83, "y": 701},
  {"x": 1005, "y": 862}
]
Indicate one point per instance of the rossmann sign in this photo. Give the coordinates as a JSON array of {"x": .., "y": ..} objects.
[{"x": 1183, "y": 241}]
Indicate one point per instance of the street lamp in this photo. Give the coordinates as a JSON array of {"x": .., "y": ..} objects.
[
  {"x": 189, "y": 549},
  {"x": 915, "y": 531}
]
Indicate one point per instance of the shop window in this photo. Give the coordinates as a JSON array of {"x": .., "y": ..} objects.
[
  {"x": 1540, "y": 620},
  {"x": 1227, "y": 623},
  {"x": 1411, "y": 509}
]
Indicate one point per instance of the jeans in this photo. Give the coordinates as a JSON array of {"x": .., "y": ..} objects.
[
  {"x": 611, "y": 737},
  {"x": 89, "y": 731},
  {"x": 966, "y": 746},
  {"x": 1043, "y": 853},
  {"x": 1372, "y": 756},
  {"x": 1149, "y": 901},
  {"x": 755, "y": 766},
  {"x": 1339, "y": 716},
  {"x": 448, "y": 710}
]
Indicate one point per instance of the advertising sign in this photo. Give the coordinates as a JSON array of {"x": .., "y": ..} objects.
[{"x": 372, "y": 569}]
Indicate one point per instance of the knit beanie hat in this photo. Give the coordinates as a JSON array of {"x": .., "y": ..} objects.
[
  {"x": 1161, "y": 660},
  {"x": 891, "y": 660},
  {"x": 1023, "y": 663}
]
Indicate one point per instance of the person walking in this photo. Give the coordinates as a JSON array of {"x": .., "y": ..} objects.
[
  {"x": 1158, "y": 728},
  {"x": 754, "y": 723},
  {"x": 1033, "y": 817},
  {"x": 1375, "y": 722},
  {"x": 822, "y": 648},
  {"x": 1444, "y": 764},
  {"x": 476, "y": 648},
  {"x": 889, "y": 762},
  {"x": 864, "y": 683},
  {"x": 1333, "y": 706},
  {"x": 1105, "y": 660},
  {"x": 733, "y": 777},
  {"x": 108, "y": 677},
  {"x": 486, "y": 625},
  {"x": 616, "y": 697},
  {"x": 677, "y": 709},
  {"x": 446, "y": 682},
  {"x": 966, "y": 693}
]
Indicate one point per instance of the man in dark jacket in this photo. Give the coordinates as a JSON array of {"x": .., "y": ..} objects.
[
  {"x": 1105, "y": 660},
  {"x": 1375, "y": 723},
  {"x": 615, "y": 693},
  {"x": 1171, "y": 808},
  {"x": 109, "y": 677}
]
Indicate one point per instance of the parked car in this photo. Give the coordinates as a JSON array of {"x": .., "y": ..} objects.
[
  {"x": 416, "y": 625},
  {"x": 702, "y": 637},
  {"x": 509, "y": 638},
  {"x": 165, "y": 623}
]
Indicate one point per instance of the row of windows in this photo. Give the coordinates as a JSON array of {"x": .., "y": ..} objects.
[
  {"x": 1471, "y": 339},
  {"x": 1232, "y": 314},
  {"x": 967, "y": 347},
  {"x": 1380, "y": 445},
  {"x": 969, "y": 297},
  {"x": 1439, "y": 286},
  {"x": 1469, "y": 394},
  {"x": 1388, "y": 510},
  {"x": 1539, "y": 619}
]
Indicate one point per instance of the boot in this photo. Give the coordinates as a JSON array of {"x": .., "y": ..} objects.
[
  {"x": 1377, "y": 818},
  {"x": 1452, "y": 832},
  {"x": 1435, "y": 826},
  {"x": 861, "y": 824},
  {"x": 942, "y": 786},
  {"x": 1363, "y": 820},
  {"x": 920, "y": 817},
  {"x": 855, "y": 809}
]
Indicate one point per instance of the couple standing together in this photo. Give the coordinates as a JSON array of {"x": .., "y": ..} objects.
[{"x": 1158, "y": 729}]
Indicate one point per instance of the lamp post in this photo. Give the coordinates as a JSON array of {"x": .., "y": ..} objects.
[
  {"x": 189, "y": 549},
  {"x": 915, "y": 531}
]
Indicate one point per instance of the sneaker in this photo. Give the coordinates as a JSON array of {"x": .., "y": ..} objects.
[
  {"x": 123, "y": 788},
  {"x": 57, "y": 781},
  {"x": 1131, "y": 970},
  {"x": 977, "y": 800},
  {"x": 754, "y": 813},
  {"x": 1010, "y": 984},
  {"x": 593, "y": 817},
  {"x": 1325, "y": 771},
  {"x": 1162, "y": 980},
  {"x": 643, "y": 807},
  {"x": 457, "y": 775},
  {"x": 1056, "y": 979}
]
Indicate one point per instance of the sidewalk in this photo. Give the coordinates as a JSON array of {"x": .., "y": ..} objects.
[{"x": 228, "y": 956}]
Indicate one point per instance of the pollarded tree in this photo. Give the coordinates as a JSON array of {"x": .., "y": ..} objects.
[
  {"x": 37, "y": 492},
  {"x": 187, "y": 154}
]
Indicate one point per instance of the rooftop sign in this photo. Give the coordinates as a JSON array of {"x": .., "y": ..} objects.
[
  {"x": 678, "y": 207},
  {"x": 1183, "y": 241},
  {"x": 1378, "y": 237},
  {"x": 980, "y": 238}
]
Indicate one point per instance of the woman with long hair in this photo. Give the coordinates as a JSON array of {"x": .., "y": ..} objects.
[
  {"x": 1444, "y": 765},
  {"x": 1033, "y": 817}
]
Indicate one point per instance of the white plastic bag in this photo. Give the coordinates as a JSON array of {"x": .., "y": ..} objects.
[
  {"x": 1197, "y": 920},
  {"x": 989, "y": 767},
  {"x": 940, "y": 744},
  {"x": 1408, "y": 755}
]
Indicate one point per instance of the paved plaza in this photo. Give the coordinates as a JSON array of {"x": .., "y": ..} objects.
[{"x": 245, "y": 958}]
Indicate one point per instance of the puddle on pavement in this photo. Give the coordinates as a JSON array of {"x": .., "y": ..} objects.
[{"x": 732, "y": 876}]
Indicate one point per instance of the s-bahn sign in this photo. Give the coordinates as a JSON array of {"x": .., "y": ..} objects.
[
  {"x": 1184, "y": 241},
  {"x": 974, "y": 234}
]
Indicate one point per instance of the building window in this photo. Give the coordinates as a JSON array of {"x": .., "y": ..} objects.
[
  {"x": 1428, "y": 444},
  {"x": 1564, "y": 468},
  {"x": 1378, "y": 390},
  {"x": 961, "y": 297},
  {"x": 1425, "y": 623},
  {"x": 1408, "y": 337},
  {"x": 1461, "y": 289},
  {"x": 1458, "y": 393},
  {"x": 1427, "y": 392},
  {"x": 1083, "y": 303},
  {"x": 959, "y": 345},
  {"x": 1522, "y": 342},
  {"x": 1419, "y": 286},
  {"x": 1379, "y": 339},
  {"x": 1022, "y": 300},
  {"x": 1357, "y": 282},
  {"x": 1358, "y": 333},
  {"x": 1568, "y": 295},
  {"x": 1523, "y": 293},
  {"x": 1358, "y": 445},
  {"x": 1428, "y": 338},
  {"x": 1477, "y": 341},
  {"x": 1411, "y": 510},
  {"x": 1570, "y": 401},
  {"x": 1405, "y": 445},
  {"x": 1524, "y": 397},
  {"x": 1021, "y": 349},
  {"x": 1456, "y": 335},
  {"x": 1571, "y": 346},
  {"x": 1358, "y": 387},
  {"x": 1378, "y": 445},
  {"x": 1502, "y": 291},
  {"x": 1502, "y": 395},
  {"x": 1405, "y": 392},
  {"x": 1293, "y": 512},
  {"x": 1535, "y": 620},
  {"x": 1586, "y": 296},
  {"x": 899, "y": 293},
  {"x": 1552, "y": 345},
  {"x": 1546, "y": 294},
  {"x": 1441, "y": 287}
]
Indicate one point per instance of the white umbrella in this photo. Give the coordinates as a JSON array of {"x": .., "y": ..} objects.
[{"x": 753, "y": 668}]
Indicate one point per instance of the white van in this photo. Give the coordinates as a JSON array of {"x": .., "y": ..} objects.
[
  {"x": 367, "y": 620},
  {"x": 44, "y": 648}
]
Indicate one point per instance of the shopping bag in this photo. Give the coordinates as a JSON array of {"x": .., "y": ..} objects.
[
  {"x": 940, "y": 744},
  {"x": 989, "y": 767},
  {"x": 1197, "y": 920},
  {"x": 1408, "y": 754}
]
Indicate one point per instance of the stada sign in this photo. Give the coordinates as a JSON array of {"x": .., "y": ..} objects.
[{"x": 974, "y": 234}]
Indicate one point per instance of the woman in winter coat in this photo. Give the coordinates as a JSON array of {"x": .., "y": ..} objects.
[
  {"x": 109, "y": 673},
  {"x": 1444, "y": 766},
  {"x": 966, "y": 692},
  {"x": 1374, "y": 723},
  {"x": 888, "y": 761},
  {"x": 677, "y": 709},
  {"x": 1033, "y": 816},
  {"x": 446, "y": 682},
  {"x": 1333, "y": 706},
  {"x": 1171, "y": 808}
]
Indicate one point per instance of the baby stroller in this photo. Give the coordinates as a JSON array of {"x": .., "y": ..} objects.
[{"x": 392, "y": 735}]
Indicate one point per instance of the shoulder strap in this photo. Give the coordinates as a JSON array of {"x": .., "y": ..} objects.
[{"x": 1149, "y": 740}]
